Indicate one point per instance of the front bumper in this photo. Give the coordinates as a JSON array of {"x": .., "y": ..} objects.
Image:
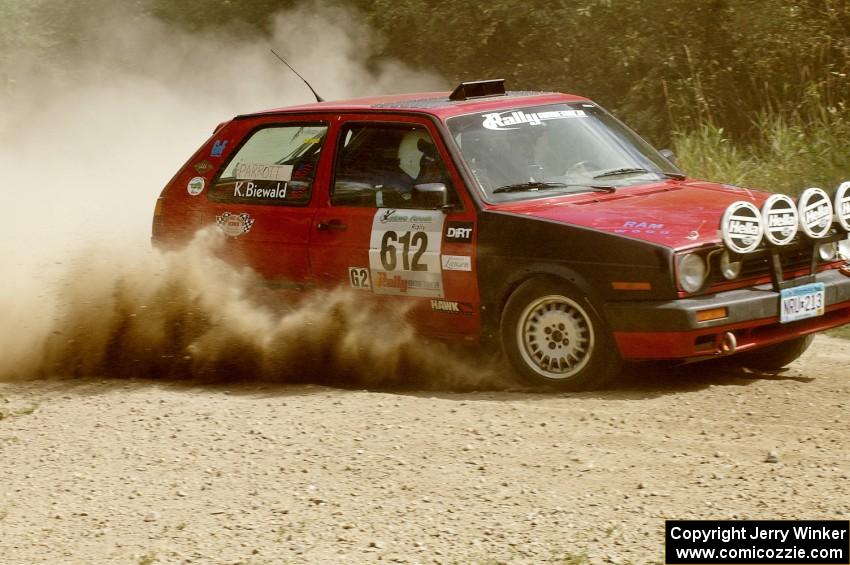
[{"x": 670, "y": 330}]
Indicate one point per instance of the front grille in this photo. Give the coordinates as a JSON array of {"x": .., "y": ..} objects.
[{"x": 793, "y": 258}]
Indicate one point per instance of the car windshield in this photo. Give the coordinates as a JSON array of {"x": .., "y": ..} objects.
[{"x": 546, "y": 150}]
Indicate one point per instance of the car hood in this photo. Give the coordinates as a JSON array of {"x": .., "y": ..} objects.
[{"x": 676, "y": 214}]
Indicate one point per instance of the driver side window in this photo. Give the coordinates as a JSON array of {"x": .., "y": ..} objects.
[{"x": 387, "y": 166}]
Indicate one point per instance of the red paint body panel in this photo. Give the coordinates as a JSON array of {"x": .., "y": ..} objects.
[
  {"x": 286, "y": 243},
  {"x": 644, "y": 346},
  {"x": 676, "y": 214}
]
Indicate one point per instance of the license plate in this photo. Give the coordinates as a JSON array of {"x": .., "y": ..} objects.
[{"x": 801, "y": 302}]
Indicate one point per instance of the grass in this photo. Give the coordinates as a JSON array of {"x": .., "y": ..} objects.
[{"x": 788, "y": 154}]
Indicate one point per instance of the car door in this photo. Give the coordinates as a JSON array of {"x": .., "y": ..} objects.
[
  {"x": 382, "y": 229},
  {"x": 262, "y": 197}
]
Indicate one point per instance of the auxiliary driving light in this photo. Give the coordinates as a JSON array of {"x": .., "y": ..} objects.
[
  {"x": 828, "y": 251},
  {"x": 729, "y": 269},
  {"x": 844, "y": 249}
]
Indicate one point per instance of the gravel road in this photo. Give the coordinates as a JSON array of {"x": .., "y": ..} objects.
[{"x": 144, "y": 471}]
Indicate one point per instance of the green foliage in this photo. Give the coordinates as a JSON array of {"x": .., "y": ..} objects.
[
  {"x": 787, "y": 153},
  {"x": 663, "y": 66}
]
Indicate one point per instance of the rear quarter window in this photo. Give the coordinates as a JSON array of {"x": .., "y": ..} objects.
[{"x": 275, "y": 166}]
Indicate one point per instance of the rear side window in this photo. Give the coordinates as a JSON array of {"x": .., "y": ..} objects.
[{"x": 275, "y": 166}]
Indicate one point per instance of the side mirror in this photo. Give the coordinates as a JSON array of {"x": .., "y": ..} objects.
[
  {"x": 432, "y": 195},
  {"x": 670, "y": 156}
]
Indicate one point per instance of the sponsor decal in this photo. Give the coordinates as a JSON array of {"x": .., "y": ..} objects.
[
  {"x": 457, "y": 263},
  {"x": 636, "y": 226},
  {"x": 391, "y": 216},
  {"x": 505, "y": 120},
  {"x": 218, "y": 148},
  {"x": 780, "y": 219},
  {"x": 404, "y": 252},
  {"x": 452, "y": 307},
  {"x": 359, "y": 278},
  {"x": 203, "y": 167},
  {"x": 258, "y": 171},
  {"x": 741, "y": 227},
  {"x": 842, "y": 205},
  {"x": 460, "y": 232},
  {"x": 196, "y": 186},
  {"x": 815, "y": 209},
  {"x": 234, "y": 225},
  {"x": 248, "y": 189}
]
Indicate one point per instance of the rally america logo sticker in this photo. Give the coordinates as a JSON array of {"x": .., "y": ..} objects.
[
  {"x": 234, "y": 225},
  {"x": 741, "y": 227},
  {"x": 815, "y": 210},
  {"x": 507, "y": 120},
  {"x": 779, "y": 214}
]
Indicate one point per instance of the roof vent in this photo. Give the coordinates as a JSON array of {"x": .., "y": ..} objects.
[{"x": 478, "y": 89}]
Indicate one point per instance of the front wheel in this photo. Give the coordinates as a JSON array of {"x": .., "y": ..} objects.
[
  {"x": 776, "y": 356},
  {"x": 552, "y": 336}
]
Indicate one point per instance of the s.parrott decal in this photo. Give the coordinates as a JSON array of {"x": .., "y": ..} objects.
[
  {"x": 203, "y": 167},
  {"x": 218, "y": 148},
  {"x": 234, "y": 225},
  {"x": 261, "y": 171},
  {"x": 459, "y": 232},
  {"x": 196, "y": 186}
]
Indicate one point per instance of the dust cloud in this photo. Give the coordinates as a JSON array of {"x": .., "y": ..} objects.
[
  {"x": 85, "y": 148},
  {"x": 186, "y": 314}
]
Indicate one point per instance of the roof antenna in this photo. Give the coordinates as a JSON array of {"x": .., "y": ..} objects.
[{"x": 318, "y": 98}]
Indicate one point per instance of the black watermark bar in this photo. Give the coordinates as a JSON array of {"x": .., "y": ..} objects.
[{"x": 758, "y": 542}]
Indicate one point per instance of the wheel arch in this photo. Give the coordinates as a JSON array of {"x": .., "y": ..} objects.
[{"x": 498, "y": 295}]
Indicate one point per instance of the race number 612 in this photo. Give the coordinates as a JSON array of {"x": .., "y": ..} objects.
[{"x": 417, "y": 242}]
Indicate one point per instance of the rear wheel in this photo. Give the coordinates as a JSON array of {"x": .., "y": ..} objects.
[
  {"x": 776, "y": 356},
  {"x": 552, "y": 336}
]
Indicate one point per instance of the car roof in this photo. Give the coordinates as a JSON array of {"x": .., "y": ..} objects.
[{"x": 434, "y": 103}]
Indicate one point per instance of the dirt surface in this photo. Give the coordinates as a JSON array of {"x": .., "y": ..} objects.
[{"x": 142, "y": 471}]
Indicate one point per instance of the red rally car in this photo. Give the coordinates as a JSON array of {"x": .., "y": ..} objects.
[{"x": 532, "y": 220}]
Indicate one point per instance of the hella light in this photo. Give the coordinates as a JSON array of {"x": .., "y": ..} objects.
[
  {"x": 691, "y": 272},
  {"x": 729, "y": 268},
  {"x": 844, "y": 249},
  {"x": 828, "y": 251}
]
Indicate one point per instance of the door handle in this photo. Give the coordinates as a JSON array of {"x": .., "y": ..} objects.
[{"x": 331, "y": 225}]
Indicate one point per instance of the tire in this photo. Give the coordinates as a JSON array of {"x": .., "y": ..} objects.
[
  {"x": 776, "y": 356},
  {"x": 552, "y": 336}
]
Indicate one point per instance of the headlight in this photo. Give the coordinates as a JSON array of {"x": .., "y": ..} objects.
[
  {"x": 730, "y": 269},
  {"x": 691, "y": 272},
  {"x": 844, "y": 249},
  {"x": 828, "y": 251}
]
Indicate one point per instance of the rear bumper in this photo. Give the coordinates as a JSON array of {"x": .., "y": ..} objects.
[{"x": 670, "y": 330}]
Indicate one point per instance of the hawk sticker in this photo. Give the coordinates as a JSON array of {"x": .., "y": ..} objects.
[{"x": 234, "y": 225}]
